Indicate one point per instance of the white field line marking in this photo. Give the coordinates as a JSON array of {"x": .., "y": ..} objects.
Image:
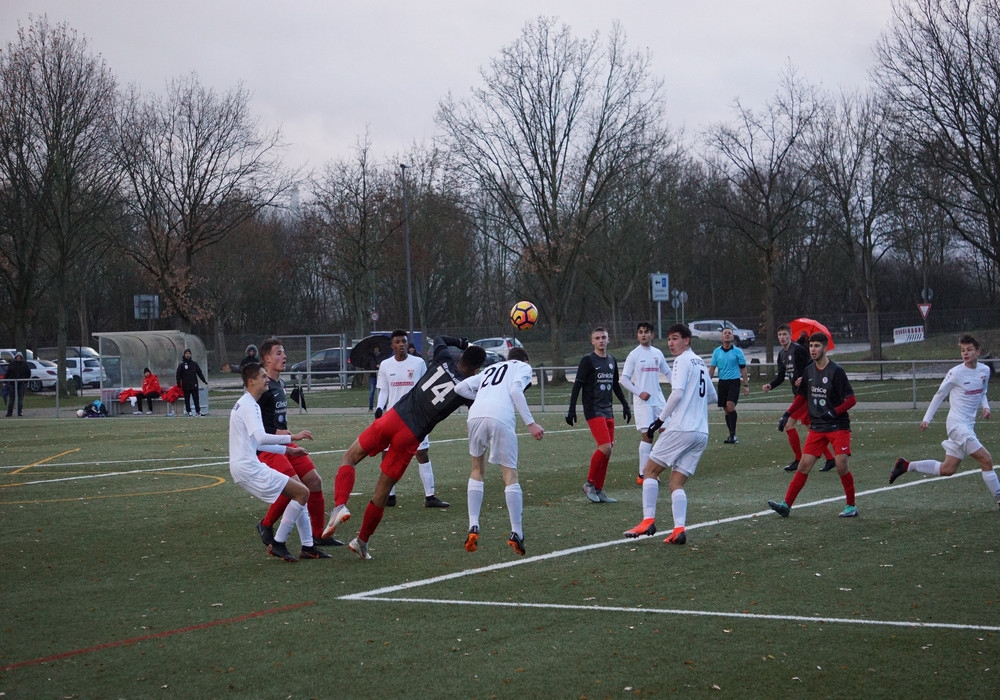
[
  {"x": 695, "y": 613},
  {"x": 382, "y": 594}
]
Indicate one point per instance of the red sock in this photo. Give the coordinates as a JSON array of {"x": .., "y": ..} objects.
[
  {"x": 795, "y": 442},
  {"x": 847, "y": 481},
  {"x": 343, "y": 484},
  {"x": 598, "y": 469},
  {"x": 373, "y": 516},
  {"x": 317, "y": 512},
  {"x": 798, "y": 481},
  {"x": 275, "y": 511}
]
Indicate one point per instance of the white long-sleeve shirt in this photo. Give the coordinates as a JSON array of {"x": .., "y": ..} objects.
[
  {"x": 247, "y": 436},
  {"x": 965, "y": 388}
]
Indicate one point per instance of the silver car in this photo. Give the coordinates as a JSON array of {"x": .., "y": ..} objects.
[
  {"x": 712, "y": 330},
  {"x": 498, "y": 345}
]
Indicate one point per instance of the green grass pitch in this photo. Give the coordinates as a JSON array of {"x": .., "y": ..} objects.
[{"x": 131, "y": 568}]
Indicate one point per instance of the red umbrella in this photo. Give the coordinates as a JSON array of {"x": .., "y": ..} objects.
[{"x": 810, "y": 326}]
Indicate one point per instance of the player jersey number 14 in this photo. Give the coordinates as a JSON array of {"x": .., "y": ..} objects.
[{"x": 440, "y": 391}]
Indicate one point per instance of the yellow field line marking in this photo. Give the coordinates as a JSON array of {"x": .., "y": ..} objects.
[
  {"x": 43, "y": 461},
  {"x": 216, "y": 481}
]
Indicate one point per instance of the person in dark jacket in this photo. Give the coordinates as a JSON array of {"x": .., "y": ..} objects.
[
  {"x": 251, "y": 356},
  {"x": 188, "y": 374},
  {"x": 18, "y": 369}
]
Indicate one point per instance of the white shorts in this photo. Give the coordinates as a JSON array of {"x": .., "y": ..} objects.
[
  {"x": 679, "y": 450},
  {"x": 264, "y": 483},
  {"x": 645, "y": 414},
  {"x": 961, "y": 442},
  {"x": 498, "y": 436}
]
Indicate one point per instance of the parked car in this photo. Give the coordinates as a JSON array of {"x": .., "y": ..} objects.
[
  {"x": 71, "y": 351},
  {"x": 491, "y": 358},
  {"x": 85, "y": 371},
  {"x": 322, "y": 364},
  {"x": 43, "y": 375},
  {"x": 498, "y": 345},
  {"x": 7, "y": 354},
  {"x": 712, "y": 330}
]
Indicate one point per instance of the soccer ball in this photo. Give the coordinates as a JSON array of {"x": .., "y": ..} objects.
[
  {"x": 80, "y": 413},
  {"x": 523, "y": 315}
]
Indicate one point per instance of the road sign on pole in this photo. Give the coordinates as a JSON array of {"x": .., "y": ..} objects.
[
  {"x": 661, "y": 286},
  {"x": 924, "y": 310}
]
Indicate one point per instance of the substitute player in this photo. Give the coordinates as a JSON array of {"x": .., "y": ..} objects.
[
  {"x": 396, "y": 376},
  {"x": 685, "y": 418},
  {"x": 399, "y": 432},
  {"x": 498, "y": 392},
  {"x": 965, "y": 387},
  {"x": 274, "y": 411},
  {"x": 641, "y": 376},
  {"x": 597, "y": 377},
  {"x": 246, "y": 437},
  {"x": 792, "y": 361},
  {"x": 828, "y": 395}
]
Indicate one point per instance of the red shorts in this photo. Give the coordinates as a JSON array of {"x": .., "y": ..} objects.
[
  {"x": 603, "y": 429},
  {"x": 801, "y": 414},
  {"x": 839, "y": 440},
  {"x": 390, "y": 434},
  {"x": 288, "y": 465}
]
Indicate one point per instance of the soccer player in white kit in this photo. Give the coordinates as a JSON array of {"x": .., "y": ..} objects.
[
  {"x": 498, "y": 392},
  {"x": 685, "y": 417},
  {"x": 246, "y": 437},
  {"x": 641, "y": 376},
  {"x": 965, "y": 387},
  {"x": 396, "y": 376}
]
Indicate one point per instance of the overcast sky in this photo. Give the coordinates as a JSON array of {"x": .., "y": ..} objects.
[{"x": 324, "y": 71}]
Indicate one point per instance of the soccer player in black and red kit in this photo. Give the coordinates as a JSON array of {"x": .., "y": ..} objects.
[
  {"x": 273, "y": 409},
  {"x": 827, "y": 394},
  {"x": 399, "y": 432},
  {"x": 597, "y": 377},
  {"x": 792, "y": 360}
]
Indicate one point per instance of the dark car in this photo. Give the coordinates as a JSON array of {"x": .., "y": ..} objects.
[
  {"x": 323, "y": 364},
  {"x": 491, "y": 358}
]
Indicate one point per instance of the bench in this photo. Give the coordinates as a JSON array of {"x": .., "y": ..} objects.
[{"x": 109, "y": 397}]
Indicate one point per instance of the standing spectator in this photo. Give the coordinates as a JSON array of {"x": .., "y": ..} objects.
[
  {"x": 399, "y": 431},
  {"x": 188, "y": 374},
  {"x": 597, "y": 377},
  {"x": 791, "y": 363},
  {"x": 827, "y": 393},
  {"x": 150, "y": 390},
  {"x": 685, "y": 416},
  {"x": 248, "y": 440},
  {"x": 251, "y": 356},
  {"x": 732, "y": 366},
  {"x": 498, "y": 392},
  {"x": 17, "y": 369},
  {"x": 641, "y": 376},
  {"x": 965, "y": 388},
  {"x": 373, "y": 376},
  {"x": 412, "y": 350},
  {"x": 396, "y": 376}
]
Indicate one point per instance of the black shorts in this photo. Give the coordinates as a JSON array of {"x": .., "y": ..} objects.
[{"x": 729, "y": 390}]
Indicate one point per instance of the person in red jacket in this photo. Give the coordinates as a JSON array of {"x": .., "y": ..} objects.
[{"x": 150, "y": 390}]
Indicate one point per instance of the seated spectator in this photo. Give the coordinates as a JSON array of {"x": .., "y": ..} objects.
[{"x": 150, "y": 390}]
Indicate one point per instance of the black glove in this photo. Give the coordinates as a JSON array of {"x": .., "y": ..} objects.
[
  {"x": 830, "y": 415},
  {"x": 571, "y": 417},
  {"x": 463, "y": 343},
  {"x": 653, "y": 427},
  {"x": 378, "y": 412},
  {"x": 784, "y": 421},
  {"x": 627, "y": 413}
]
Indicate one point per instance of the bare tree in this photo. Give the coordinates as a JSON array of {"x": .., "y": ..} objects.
[
  {"x": 547, "y": 138},
  {"x": 939, "y": 67},
  {"x": 858, "y": 184},
  {"x": 197, "y": 166},
  {"x": 65, "y": 97},
  {"x": 764, "y": 164}
]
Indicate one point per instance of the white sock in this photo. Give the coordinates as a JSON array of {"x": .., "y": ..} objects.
[
  {"x": 515, "y": 506},
  {"x": 679, "y": 506},
  {"x": 992, "y": 483},
  {"x": 304, "y": 524},
  {"x": 288, "y": 518},
  {"x": 474, "y": 492},
  {"x": 644, "y": 449},
  {"x": 650, "y": 492},
  {"x": 926, "y": 466},
  {"x": 427, "y": 476}
]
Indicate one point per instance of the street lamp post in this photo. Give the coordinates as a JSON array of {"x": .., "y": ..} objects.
[{"x": 406, "y": 232}]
